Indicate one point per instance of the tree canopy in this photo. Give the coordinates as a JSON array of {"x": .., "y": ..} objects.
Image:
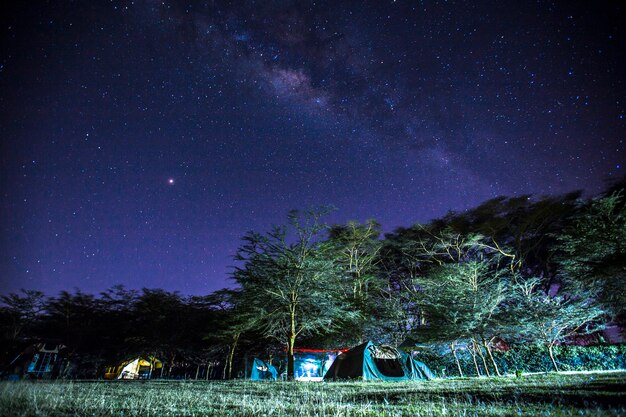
[{"x": 539, "y": 271}]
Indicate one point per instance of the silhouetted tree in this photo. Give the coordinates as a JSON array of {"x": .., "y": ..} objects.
[{"x": 20, "y": 312}]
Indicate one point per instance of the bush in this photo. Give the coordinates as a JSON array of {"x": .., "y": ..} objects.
[
  {"x": 583, "y": 358},
  {"x": 532, "y": 358}
]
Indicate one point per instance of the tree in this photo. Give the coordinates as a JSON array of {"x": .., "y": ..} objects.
[
  {"x": 461, "y": 302},
  {"x": 593, "y": 252},
  {"x": 538, "y": 317},
  {"x": 462, "y": 293},
  {"x": 236, "y": 318},
  {"x": 118, "y": 321},
  {"x": 355, "y": 248},
  {"x": 72, "y": 317},
  {"x": 160, "y": 321},
  {"x": 205, "y": 317},
  {"x": 21, "y": 312},
  {"x": 291, "y": 288}
]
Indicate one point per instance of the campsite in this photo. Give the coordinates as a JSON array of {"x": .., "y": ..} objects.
[
  {"x": 336, "y": 320},
  {"x": 325, "y": 208}
]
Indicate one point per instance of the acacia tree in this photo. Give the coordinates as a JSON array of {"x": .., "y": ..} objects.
[
  {"x": 524, "y": 224},
  {"x": 541, "y": 318},
  {"x": 355, "y": 248},
  {"x": 288, "y": 285},
  {"x": 462, "y": 303},
  {"x": 442, "y": 301},
  {"x": 463, "y": 291}
]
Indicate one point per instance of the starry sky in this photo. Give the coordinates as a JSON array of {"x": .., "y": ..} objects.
[{"x": 141, "y": 139}]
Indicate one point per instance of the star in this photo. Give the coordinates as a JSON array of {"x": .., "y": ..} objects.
[{"x": 267, "y": 109}]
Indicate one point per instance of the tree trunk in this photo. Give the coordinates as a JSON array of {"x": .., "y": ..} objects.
[
  {"x": 291, "y": 341},
  {"x": 172, "y": 359},
  {"x": 479, "y": 349},
  {"x": 493, "y": 361},
  {"x": 231, "y": 355},
  {"x": 551, "y": 353},
  {"x": 456, "y": 358},
  {"x": 473, "y": 353},
  {"x": 197, "y": 372},
  {"x": 290, "y": 360}
]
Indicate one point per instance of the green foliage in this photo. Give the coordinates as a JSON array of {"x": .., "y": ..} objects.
[
  {"x": 581, "y": 358},
  {"x": 288, "y": 285},
  {"x": 461, "y": 293},
  {"x": 532, "y": 358},
  {"x": 354, "y": 248},
  {"x": 593, "y": 251},
  {"x": 570, "y": 358},
  {"x": 537, "y": 317},
  {"x": 532, "y": 272}
]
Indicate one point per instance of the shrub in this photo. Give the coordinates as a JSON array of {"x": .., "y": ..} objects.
[{"x": 532, "y": 358}]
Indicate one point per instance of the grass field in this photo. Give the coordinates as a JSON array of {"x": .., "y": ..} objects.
[{"x": 601, "y": 394}]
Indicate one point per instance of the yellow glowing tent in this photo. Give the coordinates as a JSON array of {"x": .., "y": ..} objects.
[{"x": 136, "y": 368}]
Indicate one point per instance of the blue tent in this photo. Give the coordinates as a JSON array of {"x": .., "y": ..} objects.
[
  {"x": 262, "y": 371},
  {"x": 369, "y": 362},
  {"x": 417, "y": 369},
  {"x": 312, "y": 364}
]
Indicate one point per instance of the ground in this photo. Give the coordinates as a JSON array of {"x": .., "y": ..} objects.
[{"x": 587, "y": 394}]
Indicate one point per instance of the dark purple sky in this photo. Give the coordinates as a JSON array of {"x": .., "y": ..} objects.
[{"x": 394, "y": 110}]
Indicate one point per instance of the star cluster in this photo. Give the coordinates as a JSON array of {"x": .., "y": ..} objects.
[{"x": 142, "y": 139}]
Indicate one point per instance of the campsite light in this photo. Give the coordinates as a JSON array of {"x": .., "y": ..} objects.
[{"x": 310, "y": 365}]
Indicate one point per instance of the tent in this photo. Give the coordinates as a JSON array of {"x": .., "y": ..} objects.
[
  {"x": 262, "y": 371},
  {"x": 417, "y": 369},
  {"x": 135, "y": 368},
  {"x": 42, "y": 360},
  {"x": 312, "y": 364},
  {"x": 369, "y": 362}
]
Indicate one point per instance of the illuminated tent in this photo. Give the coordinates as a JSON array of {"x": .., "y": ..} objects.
[
  {"x": 262, "y": 371},
  {"x": 312, "y": 364},
  {"x": 369, "y": 362},
  {"x": 136, "y": 368},
  {"x": 417, "y": 369}
]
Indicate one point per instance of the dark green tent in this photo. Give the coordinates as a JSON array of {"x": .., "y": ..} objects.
[
  {"x": 369, "y": 362},
  {"x": 262, "y": 371},
  {"x": 417, "y": 369}
]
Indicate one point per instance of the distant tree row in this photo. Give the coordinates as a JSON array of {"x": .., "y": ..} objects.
[{"x": 538, "y": 271}]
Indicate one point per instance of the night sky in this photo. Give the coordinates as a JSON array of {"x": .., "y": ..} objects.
[{"x": 141, "y": 140}]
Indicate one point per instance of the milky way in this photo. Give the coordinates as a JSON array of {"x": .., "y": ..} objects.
[{"x": 142, "y": 139}]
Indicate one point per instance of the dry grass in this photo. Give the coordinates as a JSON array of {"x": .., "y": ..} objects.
[{"x": 547, "y": 395}]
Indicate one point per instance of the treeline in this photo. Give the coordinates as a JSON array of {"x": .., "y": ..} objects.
[
  {"x": 510, "y": 272},
  {"x": 119, "y": 324}
]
